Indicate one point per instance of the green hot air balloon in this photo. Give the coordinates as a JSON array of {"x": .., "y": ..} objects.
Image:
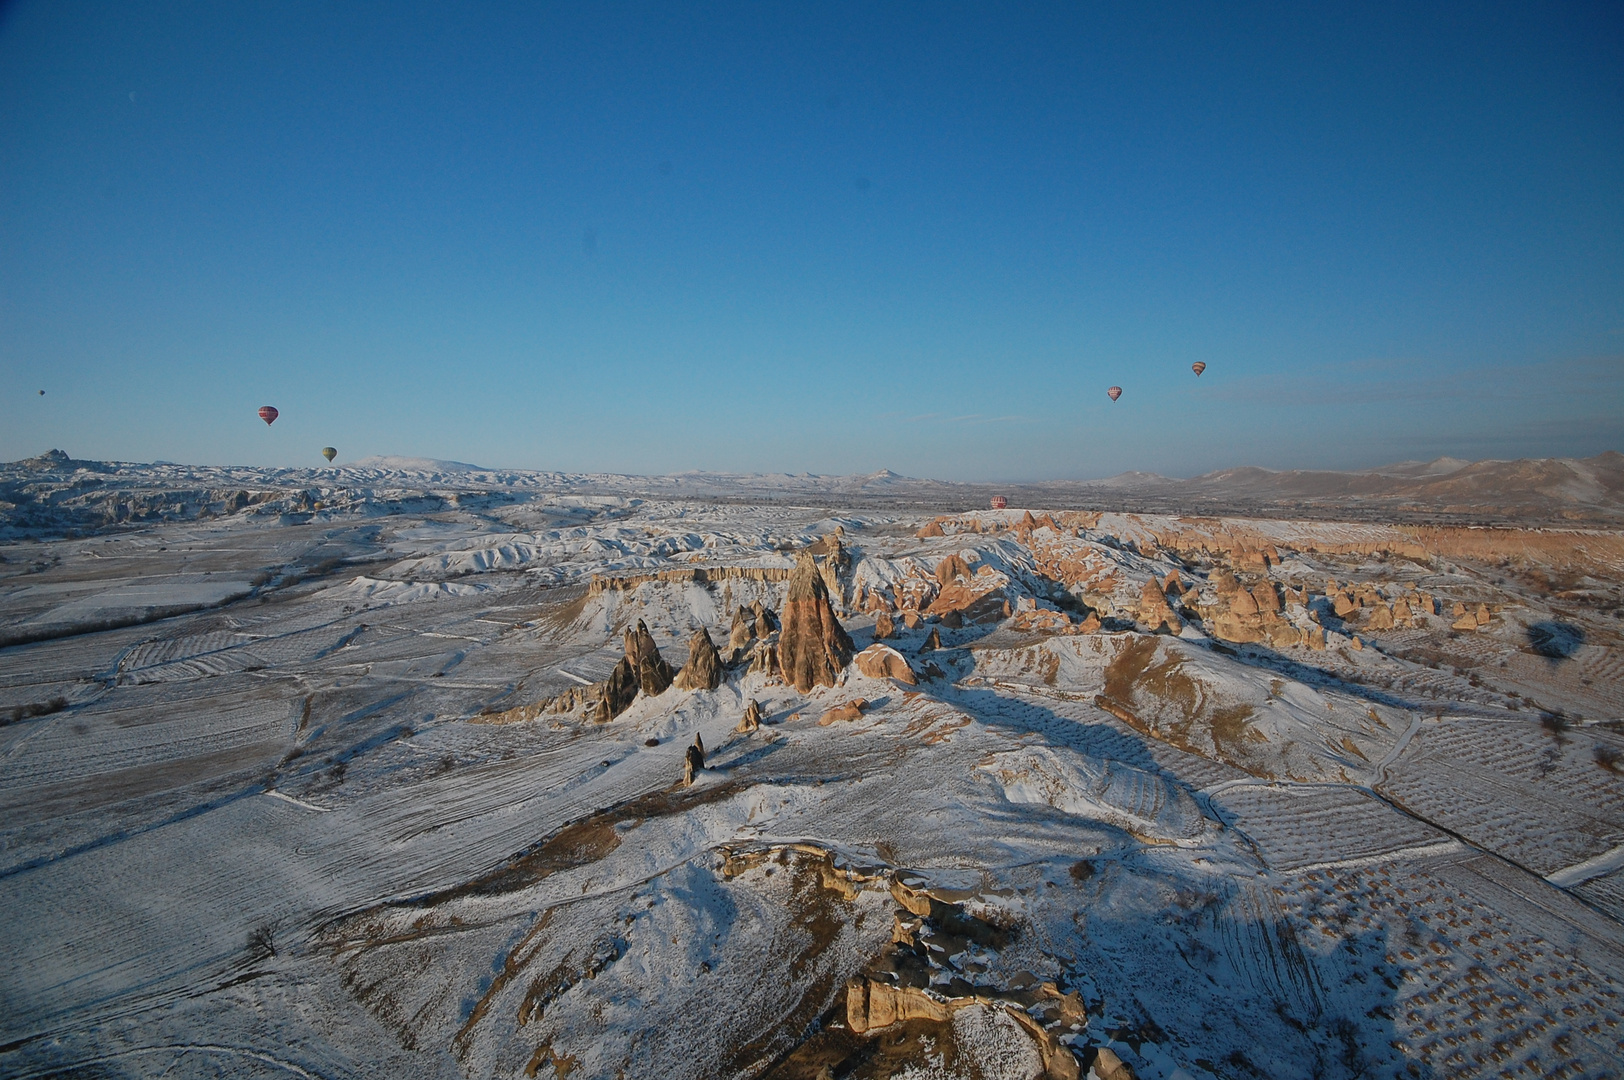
[{"x": 329, "y": 453}]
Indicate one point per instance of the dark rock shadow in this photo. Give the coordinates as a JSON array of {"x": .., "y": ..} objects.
[
  {"x": 1100, "y": 740},
  {"x": 1556, "y": 641}
]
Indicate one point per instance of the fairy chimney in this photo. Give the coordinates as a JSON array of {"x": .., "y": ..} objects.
[
  {"x": 653, "y": 673},
  {"x": 703, "y": 671},
  {"x": 813, "y": 647}
]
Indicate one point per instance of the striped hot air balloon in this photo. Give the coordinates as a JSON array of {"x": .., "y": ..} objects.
[
  {"x": 1114, "y": 393},
  {"x": 268, "y": 414},
  {"x": 1198, "y": 367},
  {"x": 999, "y": 502}
]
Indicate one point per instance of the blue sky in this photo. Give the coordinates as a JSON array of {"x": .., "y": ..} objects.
[{"x": 826, "y": 238}]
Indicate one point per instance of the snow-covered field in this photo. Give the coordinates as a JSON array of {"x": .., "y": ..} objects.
[{"x": 277, "y": 798}]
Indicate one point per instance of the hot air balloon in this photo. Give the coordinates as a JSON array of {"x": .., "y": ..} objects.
[
  {"x": 1198, "y": 367},
  {"x": 268, "y": 414},
  {"x": 999, "y": 502},
  {"x": 1114, "y": 393},
  {"x": 42, "y": 393},
  {"x": 329, "y": 453}
]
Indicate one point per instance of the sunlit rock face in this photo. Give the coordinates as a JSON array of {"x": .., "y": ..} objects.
[{"x": 813, "y": 648}]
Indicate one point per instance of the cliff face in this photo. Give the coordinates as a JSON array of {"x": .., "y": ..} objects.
[{"x": 813, "y": 648}]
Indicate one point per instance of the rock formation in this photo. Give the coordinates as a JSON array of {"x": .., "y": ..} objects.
[
  {"x": 1107, "y": 1066},
  {"x": 813, "y": 648},
  {"x": 871, "y": 1005},
  {"x": 1154, "y": 611},
  {"x": 884, "y": 627},
  {"x": 951, "y": 569},
  {"x": 703, "y": 671},
  {"x": 751, "y": 720},
  {"x": 883, "y": 662},
  {"x": 764, "y": 659},
  {"x": 693, "y": 762},
  {"x": 851, "y": 710},
  {"x": 741, "y": 633},
  {"x": 766, "y": 621},
  {"x": 653, "y": 673},
  {"x": 618, "y": 691},
  {"x": 933, "y": 642}
]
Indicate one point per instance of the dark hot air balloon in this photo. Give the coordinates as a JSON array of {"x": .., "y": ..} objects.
[
  {"x": 42, "y": 393},
  {"x": 1198, "y": 367},
  {"x": 268, "y": 413},
  {"x": 329, "y": 453},
  {"x": 999, "y": 502},
  {"x": 1114, "y": 393}
]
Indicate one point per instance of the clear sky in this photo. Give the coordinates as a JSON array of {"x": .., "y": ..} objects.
[{"x": 812, "y": 237}]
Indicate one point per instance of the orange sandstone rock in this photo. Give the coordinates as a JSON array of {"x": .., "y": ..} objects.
[
  {"x": 813, "y": 648},
  {"x": 883, "y": 662}
]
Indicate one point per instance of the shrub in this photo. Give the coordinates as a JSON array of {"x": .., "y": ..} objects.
[{"x": 20, "y": 713}]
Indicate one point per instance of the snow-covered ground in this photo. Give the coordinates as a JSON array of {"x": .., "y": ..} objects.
[{"x": 271, "y": 803}]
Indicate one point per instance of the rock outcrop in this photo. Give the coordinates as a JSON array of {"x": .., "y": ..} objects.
[
  {"x": 933, "y": 642},
  {"x": 654, "y": 675},
  {"x": 764, "y": 659},
  {"x": 693, "y": 762},
  {"x": 766, "y": 621},
  {"x": 1154, "y": 611},
  {"x": 813, "y": 648},
  {"x": 742, "y": 632},
  {"x": 871, "y": 1004},
  {"x": 703, "y": 671},
  {"x": 851, "y": 710},
  {"x": 617, "y": 691},
  {"x": 951, "y": 569},
  {"x": 884, "y": 626},
  {"x": 751, "y": 720},
  {"x": 883, "y": 662}
]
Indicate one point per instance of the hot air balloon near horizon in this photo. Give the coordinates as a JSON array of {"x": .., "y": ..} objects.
[
  {"x": 268, "y": 414},
  {"x": 1114, "y": 393},
  {"x": 329, "y": 453},
  {"x": 999, "y": 502},
  {"x": 1198, "y": 367}
]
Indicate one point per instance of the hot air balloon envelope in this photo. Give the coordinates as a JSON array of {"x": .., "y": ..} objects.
[
  {"x": 268, "y": 413},
  {"x": 1114, "y": 393},
  {"x": 329, "y": 453},
  {"x": 999, "y": 502},
  {"x": 1198, "y": 367}
]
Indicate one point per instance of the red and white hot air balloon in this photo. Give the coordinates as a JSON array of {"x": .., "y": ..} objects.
[
  {"x": 268, "y": 414},
  {"x": 1198, "y": 367},
  {"x": 999, "y": 502},
  {"x": 1114, "y": 393}
]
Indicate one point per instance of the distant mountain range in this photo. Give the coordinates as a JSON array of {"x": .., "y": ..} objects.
[
  {"x": 1553, "y": 489},
  {"x": 1528, "y": 491}
]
